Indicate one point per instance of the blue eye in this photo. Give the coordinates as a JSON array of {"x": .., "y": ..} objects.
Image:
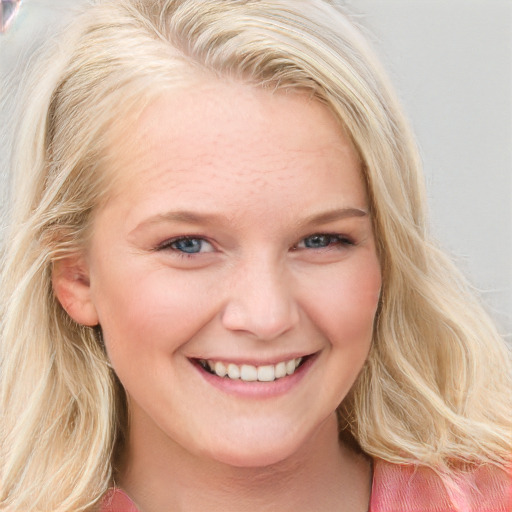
[
  {"x": 187, "y": 245},
  {"x": 322, "y": 241}
]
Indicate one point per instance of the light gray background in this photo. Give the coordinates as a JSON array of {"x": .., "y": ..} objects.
[{"x": 451, "y": 61}]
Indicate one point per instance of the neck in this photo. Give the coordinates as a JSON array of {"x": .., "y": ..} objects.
[{"x": 324, "y": 475}]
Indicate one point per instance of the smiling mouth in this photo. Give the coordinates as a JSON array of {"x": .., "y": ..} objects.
[{"x": 250, "y": 373}]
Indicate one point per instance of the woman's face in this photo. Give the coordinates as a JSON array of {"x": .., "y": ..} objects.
[{"x": 238, "y": 241}]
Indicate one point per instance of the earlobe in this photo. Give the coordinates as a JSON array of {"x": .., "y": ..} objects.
[{"x": 71, "y": 285}]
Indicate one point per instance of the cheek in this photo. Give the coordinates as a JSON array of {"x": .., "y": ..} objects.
[
  {"x": 344, "y": 307},
  {"x": 150, "y": 311}
]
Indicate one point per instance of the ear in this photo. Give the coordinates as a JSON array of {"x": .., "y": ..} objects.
[{"x": 71, "y": 285}]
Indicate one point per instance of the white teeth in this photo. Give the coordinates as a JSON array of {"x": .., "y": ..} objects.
[
  {"x": 220, "y": 369},
  {"x": 280, "y": 370},
  {"x": 233, "y": 371},
  {"x": 266, "y": 373},
  {"x": 250, "y": 373}
]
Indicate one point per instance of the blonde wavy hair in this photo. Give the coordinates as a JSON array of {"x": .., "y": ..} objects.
[{"x": 436, "y": 389}]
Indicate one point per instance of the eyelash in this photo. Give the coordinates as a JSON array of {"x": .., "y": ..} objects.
[{"x": 334, "y": 239}]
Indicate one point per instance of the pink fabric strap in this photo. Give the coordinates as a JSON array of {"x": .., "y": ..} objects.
[
  {"x": 408, "y": 488},
  {"x": 116, "y": 500}
]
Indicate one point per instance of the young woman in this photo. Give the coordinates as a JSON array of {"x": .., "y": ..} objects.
[{"x": 218, "y": 288}]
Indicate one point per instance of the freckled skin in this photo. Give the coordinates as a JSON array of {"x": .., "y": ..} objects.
[{"x": 262, "y": 163}]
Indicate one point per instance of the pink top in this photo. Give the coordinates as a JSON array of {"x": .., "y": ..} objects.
[{"x": 407, "y": 488}]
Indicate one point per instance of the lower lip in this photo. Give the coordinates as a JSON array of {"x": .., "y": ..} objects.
[{"x": 256, "y": 389}]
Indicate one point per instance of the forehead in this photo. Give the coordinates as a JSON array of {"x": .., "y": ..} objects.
[{"x": 238, "y": 140}]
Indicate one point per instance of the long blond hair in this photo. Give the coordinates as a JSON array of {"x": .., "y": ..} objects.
[{"x": 436, "y": 389}]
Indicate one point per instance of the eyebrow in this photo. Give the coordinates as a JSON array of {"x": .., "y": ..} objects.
[
  {"x": 190, "y": 217},
  {"x": 333, "y": 215}
]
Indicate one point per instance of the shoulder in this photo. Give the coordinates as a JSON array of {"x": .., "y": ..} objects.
[
  {"x": 117, "y": 501},
  {"x": 409, "y": 488}
]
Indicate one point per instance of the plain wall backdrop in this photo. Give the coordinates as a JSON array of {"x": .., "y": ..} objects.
[{"x": 451, "y": 62}]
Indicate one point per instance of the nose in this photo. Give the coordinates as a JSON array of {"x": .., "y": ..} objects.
[{"x": 260, "y": 301}]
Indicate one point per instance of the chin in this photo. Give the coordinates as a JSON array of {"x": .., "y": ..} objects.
[
  {"x": 251, "y": 459},
  {"x": 254, "y": 453}
]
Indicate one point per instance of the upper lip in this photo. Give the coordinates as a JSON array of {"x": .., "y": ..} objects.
[{"x": 255, "y": 361}]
